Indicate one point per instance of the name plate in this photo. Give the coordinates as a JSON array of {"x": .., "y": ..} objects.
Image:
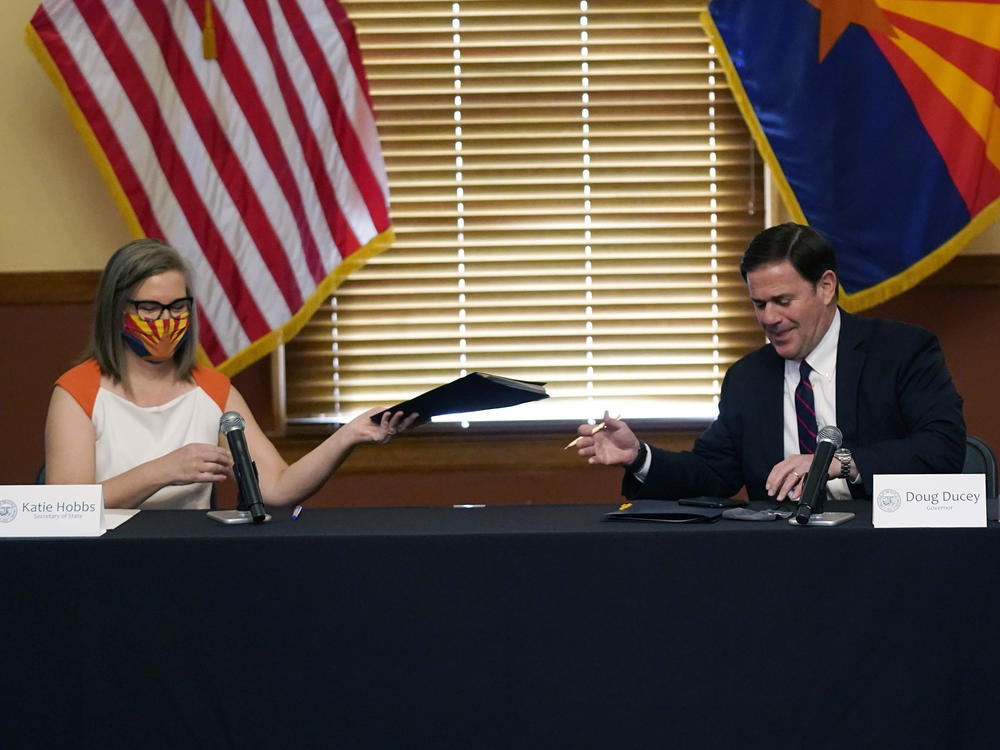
[
  {"x": 925, "y": 500},
  {"x": 46, "y": 510}
]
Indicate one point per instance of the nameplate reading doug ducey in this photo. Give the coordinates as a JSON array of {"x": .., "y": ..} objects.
[
  {"x": 915, "y": 500},
  {"x": 51, "y": 510}
]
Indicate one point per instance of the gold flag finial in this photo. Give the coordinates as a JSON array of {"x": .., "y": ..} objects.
[{"x": 208, "y": 33}]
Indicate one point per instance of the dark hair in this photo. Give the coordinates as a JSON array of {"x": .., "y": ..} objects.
[
  {"x": 125, "y": 271},
  {"x": 809, "y": 252}
]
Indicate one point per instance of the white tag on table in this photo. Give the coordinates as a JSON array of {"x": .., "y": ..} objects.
[
  {"x": 929, "y": 500},
  {"x": 46, "y": 510}
]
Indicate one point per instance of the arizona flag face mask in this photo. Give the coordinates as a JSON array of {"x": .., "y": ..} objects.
[{"x": 155, "y": 340}]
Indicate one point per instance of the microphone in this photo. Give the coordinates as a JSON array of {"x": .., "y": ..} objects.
[
  {"x": 814, "y": 491},
  {"x": 231, "y": 425}
]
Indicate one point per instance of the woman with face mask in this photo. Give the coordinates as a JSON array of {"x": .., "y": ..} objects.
[{"x": 141, "y": 418}]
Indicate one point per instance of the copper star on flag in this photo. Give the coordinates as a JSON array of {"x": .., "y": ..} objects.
[
  {"x": 891, "y": 146},
  {"x": 836, "y": 15}
]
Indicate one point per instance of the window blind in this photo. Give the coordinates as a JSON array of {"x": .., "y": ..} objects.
[{"x": 571, "y": 187}]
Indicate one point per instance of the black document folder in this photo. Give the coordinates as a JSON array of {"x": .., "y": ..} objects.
[
  {"x": 664, "y": 511},
  {"x": 474, "y": 392}
]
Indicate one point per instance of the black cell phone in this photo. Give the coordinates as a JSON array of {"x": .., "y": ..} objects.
[{"x": 712, "y": 502}]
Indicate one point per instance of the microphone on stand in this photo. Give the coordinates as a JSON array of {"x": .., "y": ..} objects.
[
  {"x": 232, "y": 425},
  {"x": 828, "y": 440}
]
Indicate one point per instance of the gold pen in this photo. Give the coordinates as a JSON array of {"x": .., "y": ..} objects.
[{"x": 601, "y": 426}]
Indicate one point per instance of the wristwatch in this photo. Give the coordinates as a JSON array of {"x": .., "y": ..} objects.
[{"x": 844, "y": 454}]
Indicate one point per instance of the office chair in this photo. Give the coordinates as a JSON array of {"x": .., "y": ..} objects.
[{"x": 979, "y": 459}]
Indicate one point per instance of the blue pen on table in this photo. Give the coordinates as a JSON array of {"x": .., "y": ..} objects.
[{"x": 295, "y": 513}]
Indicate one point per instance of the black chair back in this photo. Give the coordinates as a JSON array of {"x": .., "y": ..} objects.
[{"x": 979, "y": 459}]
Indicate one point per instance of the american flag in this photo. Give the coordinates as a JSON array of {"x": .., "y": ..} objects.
[{"x": 239, "y": 131}]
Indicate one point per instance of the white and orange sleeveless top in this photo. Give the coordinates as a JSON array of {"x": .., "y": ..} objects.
[{"x": 129, "y": 435}]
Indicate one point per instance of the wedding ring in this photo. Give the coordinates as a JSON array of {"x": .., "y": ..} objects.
[{"x": 797, "y": 475}]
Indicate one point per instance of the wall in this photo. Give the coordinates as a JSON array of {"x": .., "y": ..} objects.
[{"x": 55, "y": 210}]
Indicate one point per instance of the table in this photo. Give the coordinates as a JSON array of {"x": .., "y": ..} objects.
[{"x": 505, "y": 627}]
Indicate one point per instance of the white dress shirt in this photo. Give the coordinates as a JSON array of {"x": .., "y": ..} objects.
[{"x": 823, "y": 378}]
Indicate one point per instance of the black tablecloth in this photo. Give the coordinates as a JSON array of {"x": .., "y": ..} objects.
[{"x": 502, "y": 627}]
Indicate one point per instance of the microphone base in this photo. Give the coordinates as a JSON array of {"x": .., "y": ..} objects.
[
  {"x": 234, "y": 516},
  {"x": 823, "y": 519}
]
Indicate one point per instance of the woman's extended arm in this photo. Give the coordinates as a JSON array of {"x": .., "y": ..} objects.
[{"x": 284, "y": 484}]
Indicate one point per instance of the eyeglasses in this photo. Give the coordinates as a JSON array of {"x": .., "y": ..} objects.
[{"x": 149, "y": 309}]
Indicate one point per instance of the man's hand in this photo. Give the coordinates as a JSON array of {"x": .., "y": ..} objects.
[
  {"x": 613, "y": 445},
  {"x": 788, "y": 477}
]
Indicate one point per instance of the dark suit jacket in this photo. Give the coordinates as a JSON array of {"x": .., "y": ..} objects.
[{"x": 896, "y": 406}]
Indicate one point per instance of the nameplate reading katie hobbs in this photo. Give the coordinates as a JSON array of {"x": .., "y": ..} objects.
[
  {"x": 924, "y": 500},
  {"x": 44, "y": 510}
]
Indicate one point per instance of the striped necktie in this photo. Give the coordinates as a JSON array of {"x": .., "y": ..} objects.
[{"x": 805, "y": 410}]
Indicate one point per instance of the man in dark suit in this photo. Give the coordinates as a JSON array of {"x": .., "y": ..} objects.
[{"x": 884, "y": 384}]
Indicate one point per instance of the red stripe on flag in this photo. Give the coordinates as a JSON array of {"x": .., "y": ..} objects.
[
  {"x": 350, "y": 146},
  {"x": 349, "y": 36},
  {"x": 170, "y": 197},
  {"x": 148, "y": 111},
  {"x": 94, "y": 114},
  {"x": 220, "y": 150},
  {"x": 960, "y": 146},
  {"x": 973, "y": 58},
  {"x": 208, "y": 339},
  {"x": 343, "y": 235},
  {"x": 237, "y": 75}
]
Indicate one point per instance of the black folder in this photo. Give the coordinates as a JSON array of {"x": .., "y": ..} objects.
[
  {"x": 474, "y": 392},
  {"x": 664, "y": 511}
]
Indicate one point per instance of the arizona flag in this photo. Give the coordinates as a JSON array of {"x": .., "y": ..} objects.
[
  {"x": 879, "y": 120},
  {"x": 239, "y": 131}
]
